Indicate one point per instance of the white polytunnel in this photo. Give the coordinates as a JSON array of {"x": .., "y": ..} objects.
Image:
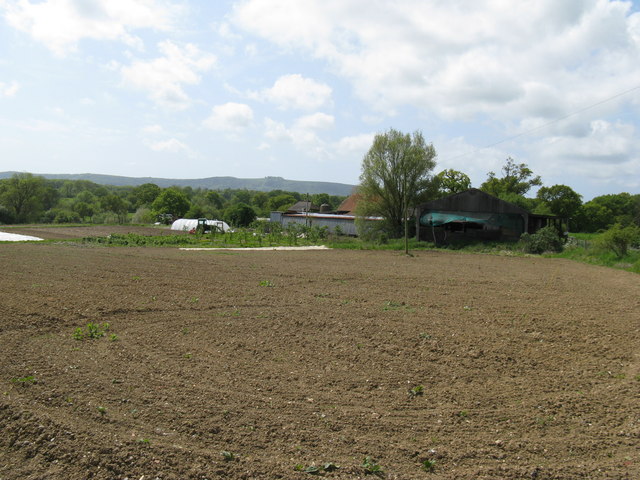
[{"x": 188, "y": 224}]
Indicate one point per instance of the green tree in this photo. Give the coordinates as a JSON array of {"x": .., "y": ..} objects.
[
  {"x": 215, "y": 199},
  {"x": 516, "y": 179},
  {"x": 395, "y": 173},
  {"x": 281, "y": 202},
  {"x": 22, "y": 195},
  {"x": 114, "y": 203},
  {"x": 450, "y": 181},
  {"x": 171, "y": 201},
  {"x": 561, "y": 200},
  {"x": 83, "y": 209},
  {"x": 239, "y": 215},
  {"x": 145, "y": 194}
]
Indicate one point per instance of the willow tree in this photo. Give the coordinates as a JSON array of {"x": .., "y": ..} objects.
[{"x": 395, "y": 173}]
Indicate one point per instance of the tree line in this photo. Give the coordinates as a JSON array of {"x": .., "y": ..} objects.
[
  {"x": 397, "y": 175},
  {"x": 27, "y": 198}
]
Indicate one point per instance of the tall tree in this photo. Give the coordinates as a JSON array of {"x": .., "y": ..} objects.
[
  {"x": 517, "y": 179},
  {"x": 22, "y": 194},
  {"x": 171, "y": 201},
  {"x": 395, "y": 173},
  {"x": 451, "y": 181},
  {"x": 561, "y": 200}
]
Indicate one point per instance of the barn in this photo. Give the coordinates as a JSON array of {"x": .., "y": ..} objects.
[{"x": 476, "y": 214}]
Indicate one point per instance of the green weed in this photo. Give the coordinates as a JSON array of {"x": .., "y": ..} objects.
[
  {"x": 371, "y": 467},
  {"x": 78, "y": 334},
  {"x": 92, "y": 331},
  {"x": 228, "y": 456},
  {"x": 266, "y": 283},
  {"x": 102, "y": 411},
  {"x": 429, "y": 465},
  {"x": 416, "y": 391},
  {"x": 28, "y": 380}
]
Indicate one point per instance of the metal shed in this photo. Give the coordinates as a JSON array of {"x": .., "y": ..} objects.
[{"x": 475, "y": 214}]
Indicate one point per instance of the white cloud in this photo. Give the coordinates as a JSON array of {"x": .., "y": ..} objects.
[
  {"x": 316, "y": 121},
  {"x": 230, "y": 117},
  {"x": 610, "y": 143},
  {"x": 61, "y": 24},
  {"x": 296, "y": 92},
  {"x": 460, "y": 59},
  {"x": 9, "y": 90},
  {"x": 153, "y": 129},
  {"x": 164, "y": 77},
  {"x": 303, "y": 133},
  {"x": 356, "y": 144},
  {"x": 171, "y": 145}
]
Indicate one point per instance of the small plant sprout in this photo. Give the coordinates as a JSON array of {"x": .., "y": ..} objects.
[
  {"x": 330, "y": 467},
  {"x": 102, "y": 411},
  {"x": 371, "y": 467},
  {"x": 425, "y": 336},
  {"x": 429, "y": 465},
  {"x": 113, "y": 337},
  {"x": 416, "y": 391},
  {"x": 78, "y": 334},
  {"x": 94, "y": 331},
  {"x": 467, "y": 308},
  {"x": 228, "y": 456},
  {"x": 266, "y": 283},
  {"x": 28, "y": 380}
]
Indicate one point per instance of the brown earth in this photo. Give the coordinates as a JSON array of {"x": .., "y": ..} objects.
[
  {"x": 55, "y": 232},
  {"x": 530, "y": 367}
]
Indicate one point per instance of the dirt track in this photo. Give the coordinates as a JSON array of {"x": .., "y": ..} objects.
[{"x": 530, "y": 367}]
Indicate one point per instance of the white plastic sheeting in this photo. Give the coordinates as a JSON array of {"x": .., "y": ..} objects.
[
  {"x": 14, "y": 237},
  {"x": 188, "y": 224}
]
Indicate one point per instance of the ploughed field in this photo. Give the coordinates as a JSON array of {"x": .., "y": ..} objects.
[{"x": 484, "y": 367}]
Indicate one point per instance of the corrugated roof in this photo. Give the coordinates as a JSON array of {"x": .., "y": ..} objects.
[{"x": 303, "y": 206}]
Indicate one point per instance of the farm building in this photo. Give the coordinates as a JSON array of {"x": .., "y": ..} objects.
[
  {"x": 476, "y": 214},
  {"x": 331, "y": 221},
  {"x": 303, "y": 207},
  {"x": 344, "y": 217}
]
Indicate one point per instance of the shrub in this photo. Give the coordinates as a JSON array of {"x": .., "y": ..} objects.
[
  {"x": 618, "y": 239},
  {"x": 546, "y": 239},
  {"x": 66, "y": 216},
  {"x": 143, "y": 215}
]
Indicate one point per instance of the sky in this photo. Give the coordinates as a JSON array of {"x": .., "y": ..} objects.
[{"x": 299, "y": 88}]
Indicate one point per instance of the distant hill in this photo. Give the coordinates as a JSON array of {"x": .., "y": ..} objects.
[{"x": 213, "y": 183}]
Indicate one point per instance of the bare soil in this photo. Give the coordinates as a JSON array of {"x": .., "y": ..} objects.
[
  {"x": 64, "y": 232},
  {"x": 529, "y": 367}
]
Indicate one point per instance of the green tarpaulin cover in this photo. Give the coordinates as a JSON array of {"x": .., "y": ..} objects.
[{"x": 496, "y": 220}]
